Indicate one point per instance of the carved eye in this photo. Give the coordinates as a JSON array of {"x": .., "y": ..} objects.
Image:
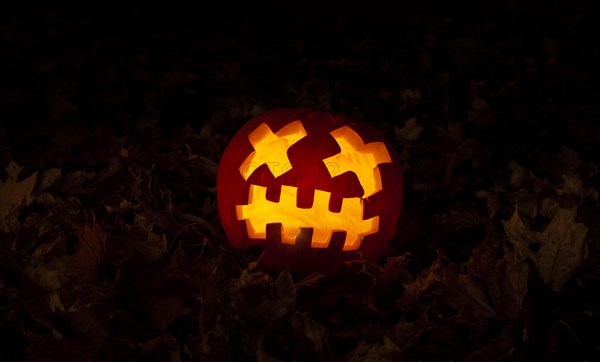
[{"x": 292, "y": 218}]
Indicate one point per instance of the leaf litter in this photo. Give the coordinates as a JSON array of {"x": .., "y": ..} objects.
[{"x": 111, "y": 245}]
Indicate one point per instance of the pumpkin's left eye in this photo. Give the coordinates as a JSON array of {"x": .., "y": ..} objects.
[{"x": 271, "y": 148}]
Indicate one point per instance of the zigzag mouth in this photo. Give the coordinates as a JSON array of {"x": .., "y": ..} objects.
[
  {"x": 303, "y": 240},
  {"x": 261, "y": 212}
]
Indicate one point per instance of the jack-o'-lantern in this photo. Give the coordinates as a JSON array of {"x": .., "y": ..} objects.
[{"x": 313, "y": 188}]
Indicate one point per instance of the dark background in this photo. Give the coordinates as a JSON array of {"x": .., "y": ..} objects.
[
  {"x": 68, "y": 64},
  {"x": 488, "y": 82}
]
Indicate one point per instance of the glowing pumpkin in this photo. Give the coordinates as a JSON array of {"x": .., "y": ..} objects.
[{"x": 313, "y": 188}]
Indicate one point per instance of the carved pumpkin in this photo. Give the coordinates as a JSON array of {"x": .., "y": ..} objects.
[{"x": 313, "y": 188}]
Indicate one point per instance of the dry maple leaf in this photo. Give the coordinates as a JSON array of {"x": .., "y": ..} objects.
[
  {"x": 406, "y": 334},
  {"x": 264, "y": 301},
  {"x": 14, "y": 195},
  {"x": 376, "y": 352},
  {"x": 47, "y": 179},
  {"x": 162, "y": 311},
  {"x": 48, "y": 278},
  {"x": 498, "y": 349},
  {"x": 557, "y": 251},
  {"x": 486, "y": 285},
  {"x": 415, "y": 289},
  {"x": 83, "y": 264},
  {"x": 409, "y": 132},
  {"x": 310, "y": 333}
]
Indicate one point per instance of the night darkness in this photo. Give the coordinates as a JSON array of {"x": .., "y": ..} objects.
[{"x": 113, "y": 119}]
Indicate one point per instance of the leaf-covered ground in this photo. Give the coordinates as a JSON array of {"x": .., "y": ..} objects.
[{"x": 113, "y": 119}]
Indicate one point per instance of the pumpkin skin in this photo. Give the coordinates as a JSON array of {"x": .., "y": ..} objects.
[{"x": 313, "y": 188}]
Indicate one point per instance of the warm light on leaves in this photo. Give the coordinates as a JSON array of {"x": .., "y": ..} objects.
[
  {"x": 14, "y": 195},
  {"x": 120, "y": 229},
  {"x": 561, "y": 245}
]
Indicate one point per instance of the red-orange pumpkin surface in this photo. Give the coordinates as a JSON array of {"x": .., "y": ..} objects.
[{"x": 313, "y": 188}]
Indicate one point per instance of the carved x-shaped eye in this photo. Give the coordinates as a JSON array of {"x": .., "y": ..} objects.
[
  {"x": 358, "y": 157},
  {"x": 271, "y": 148}
]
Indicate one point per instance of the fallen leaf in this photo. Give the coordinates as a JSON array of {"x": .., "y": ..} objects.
[
  {"x": 410, "y": 131},
  {"x": 405, "y": 334},
  {"x": 76, "y": 183},
  {"x": 488, "y": 285},
  {"x": 389, "y": 279},
  {"x": 43, "y": 271},
  {"x": 66, "y": 349},
  {"x": 568, "y": 159},
  {"x": 48, "y": 279},
  {"x": 14, "y": 195},
  {"x": 557, "y": 251},
  {"x": 88, "y": 321},
  {"x": 83, "y": 264},
  {"x": 572, "y": 184},
  {"x": 162, "y": 311},
  {"x": 164, "y": 347},
  {"x": 309, "y": 280},
  {"x": 480, "y": 111},
  {"x": 47, "y": 179},
  {"x": 267, "y": 300},
  {"x": 465, "y": 217},
  {"x": 498, "y": 349},
  {"x": 515, "y": 269},
  {"x": 519, "y": 175},
  {"x": 376, "y": 352},
  {"x": 414, "y": 290},
  {"x": 410, "y": 97},
  {"x": 308, "y": 332},
  {"x": 151, "y": 245}
]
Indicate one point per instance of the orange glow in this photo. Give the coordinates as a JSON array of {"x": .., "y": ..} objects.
[
  {"x": 271, "y": 148},
  {"x": 259, "y": 212},
  {"x": 358, "y": 157}
]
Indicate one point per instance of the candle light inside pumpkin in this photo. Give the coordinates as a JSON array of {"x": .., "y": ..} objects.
[{"x": 312, "y": 188}]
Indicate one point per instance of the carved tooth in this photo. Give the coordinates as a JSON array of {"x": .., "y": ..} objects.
[{"x": 259, "y": 212}]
